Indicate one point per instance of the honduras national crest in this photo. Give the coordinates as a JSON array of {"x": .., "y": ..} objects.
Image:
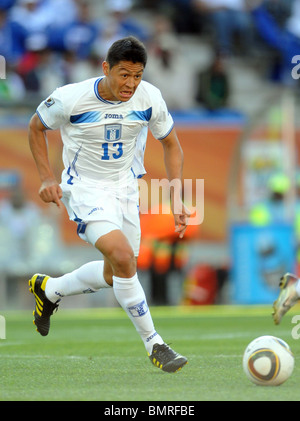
[
  {"x": 113, "y": 132},
  {"x": 139, "y": 309}
]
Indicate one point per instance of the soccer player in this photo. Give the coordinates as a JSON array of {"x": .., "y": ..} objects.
[
  {"x": 288, "y": 297},
  {"x": 103, "y": 123}
]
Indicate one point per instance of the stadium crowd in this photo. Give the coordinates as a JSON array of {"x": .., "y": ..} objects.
[{"x": 48, "y": 43}]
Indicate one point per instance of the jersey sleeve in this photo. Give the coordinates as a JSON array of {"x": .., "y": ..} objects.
[
  {"x": 161, "y": 122},
  {"x": 51, "y": 111}
]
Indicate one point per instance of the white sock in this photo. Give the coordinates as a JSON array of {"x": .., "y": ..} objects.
[
  {"x": 87, "y": 278},
  {"x": 130, "y": 295}
]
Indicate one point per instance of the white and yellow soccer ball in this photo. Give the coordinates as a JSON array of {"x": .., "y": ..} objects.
[{"x": 268, "y": 361}]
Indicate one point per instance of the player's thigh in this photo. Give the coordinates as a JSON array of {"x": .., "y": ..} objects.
[{"x": 118, "y": 252}]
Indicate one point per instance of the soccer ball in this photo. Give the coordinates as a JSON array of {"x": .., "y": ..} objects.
[{"x": 268, "y": 361}]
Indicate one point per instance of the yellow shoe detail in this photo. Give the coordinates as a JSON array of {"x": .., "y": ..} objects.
[
  {"x": 43, "y": 286},
  {"x": 38, "y": 311}
]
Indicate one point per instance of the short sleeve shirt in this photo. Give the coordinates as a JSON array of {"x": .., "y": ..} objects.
[{"x": 104, "y": 138}]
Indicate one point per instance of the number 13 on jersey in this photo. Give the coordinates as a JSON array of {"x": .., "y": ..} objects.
[
  {"x": 112, "y": 133},
  {"x": 115, "y": 155}
]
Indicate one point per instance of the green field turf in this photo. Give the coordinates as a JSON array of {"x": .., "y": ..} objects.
[{"x": 96, "y": 355}]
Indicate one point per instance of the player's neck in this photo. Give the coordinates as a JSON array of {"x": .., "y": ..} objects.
[{"x": 104, "y": 91}]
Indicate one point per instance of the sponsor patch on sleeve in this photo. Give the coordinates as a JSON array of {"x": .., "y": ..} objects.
[{"x": 50, "y": 101}]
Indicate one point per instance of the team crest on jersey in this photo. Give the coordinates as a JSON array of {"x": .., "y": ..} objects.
[{"x": 113, "y": 132}]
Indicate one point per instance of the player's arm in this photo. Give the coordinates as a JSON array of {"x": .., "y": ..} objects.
[
  {"x": 50, "y": 190},
  {"x": 173, "y": 158}
]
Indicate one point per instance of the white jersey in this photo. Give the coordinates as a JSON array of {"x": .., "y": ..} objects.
[{"x": 103, "y": 139}]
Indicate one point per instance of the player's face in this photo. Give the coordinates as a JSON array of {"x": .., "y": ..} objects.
[{"x": 121, "y": 80}]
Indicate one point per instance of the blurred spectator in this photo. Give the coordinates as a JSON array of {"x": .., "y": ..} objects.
[
  {"x": 12, "y": 87},
  {"x": 81, "y": 34},
  {"x": 228, "y": 18},
  {"x": 62, "y": 13},
  {"x": 119, "y": 11},
  {"x": 49, "y": 18},
  {"x": 287, "y": 43},
  {"x": 180, "y": 12},
  {"x": 118, "y": 24},
  {"x": 19, "y": 217},
  {"x": 7, "y": 4},
  {"x": 213, "y": 85},
  {"x": 279, "y": 9},
  {"x": 273, "y": 209},
  {"x": 79, "y": 70},
  {"x": 167, "y": 66},
  {"x": 12, "y": 37},
  {"x": 39, "y": 67},
  {"x": 184, "y": 18},
  {"x": 293, "y": 22},
  {"x": 29, "y": 14}
]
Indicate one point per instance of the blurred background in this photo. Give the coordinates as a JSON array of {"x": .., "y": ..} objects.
[{"x": 229, "y": 72}]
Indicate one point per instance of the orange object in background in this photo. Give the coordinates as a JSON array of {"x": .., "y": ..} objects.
[
  {"x": 145, "y": 258},
  {"x": 160, "y": 244},
  {"x": 200, "y": 286},
  {"x": 158, "y": 224},
  {"x": 180, "y": 255},
  {"x": 162, "y": 259}
]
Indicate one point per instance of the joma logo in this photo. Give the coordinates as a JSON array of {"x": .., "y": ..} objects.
[{"x": 114, "y": 116}]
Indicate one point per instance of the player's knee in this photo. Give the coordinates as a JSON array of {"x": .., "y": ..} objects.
[
  {"x": 119, "y": 254},
  {"x": 123, "y": 262}
]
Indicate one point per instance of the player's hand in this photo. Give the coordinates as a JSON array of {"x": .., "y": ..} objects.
[
  {"x": 50, "y": 191},
  {"x": 181, "y": 220}
]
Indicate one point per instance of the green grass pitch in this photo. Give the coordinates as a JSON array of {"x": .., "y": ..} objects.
[{"x": 96, "y": 355}]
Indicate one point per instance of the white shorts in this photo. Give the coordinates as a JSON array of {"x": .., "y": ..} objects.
[{"x": 100, "y": 209}]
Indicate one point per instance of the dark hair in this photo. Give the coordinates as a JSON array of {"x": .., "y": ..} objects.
[{"x": 127, "y": 49}]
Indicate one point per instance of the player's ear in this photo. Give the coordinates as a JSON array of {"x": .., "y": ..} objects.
[{"x": 105, "y": 68}]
